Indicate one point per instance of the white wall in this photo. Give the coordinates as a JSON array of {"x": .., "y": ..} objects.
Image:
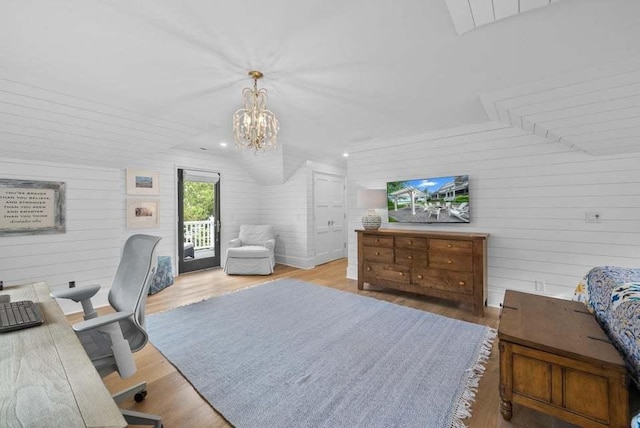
[
  {"x": 89, "y": 251},
  {"x": 286, "y": 207},
  {"x": 528, "y": 193}
]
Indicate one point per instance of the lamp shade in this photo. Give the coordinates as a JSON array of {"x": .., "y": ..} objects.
[{"x": 372, "y": 199}]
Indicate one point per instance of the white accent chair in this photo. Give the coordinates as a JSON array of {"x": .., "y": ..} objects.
[
  {"x": 110, "y": 339},
  {"x": 252, "y": 252}
]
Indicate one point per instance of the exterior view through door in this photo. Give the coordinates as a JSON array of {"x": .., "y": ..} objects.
[{"x": 198, "y": 220}]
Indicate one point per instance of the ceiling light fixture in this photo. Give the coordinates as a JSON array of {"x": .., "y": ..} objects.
[{"x": 254, "y": 126}]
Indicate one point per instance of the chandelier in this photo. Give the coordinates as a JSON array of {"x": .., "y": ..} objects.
[{"x": 254, "y": 126}]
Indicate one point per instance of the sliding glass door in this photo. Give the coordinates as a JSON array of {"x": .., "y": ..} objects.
[{"x": 198, "y": 220}]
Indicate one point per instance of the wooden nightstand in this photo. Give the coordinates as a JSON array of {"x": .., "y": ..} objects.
[{"x": 555, "y": 358}]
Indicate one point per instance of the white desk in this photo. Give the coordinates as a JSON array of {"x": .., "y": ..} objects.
[{"x": 46, "y": 378}]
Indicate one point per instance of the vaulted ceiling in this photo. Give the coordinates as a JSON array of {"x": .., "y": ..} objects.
[{"x": 95, "y": 79}]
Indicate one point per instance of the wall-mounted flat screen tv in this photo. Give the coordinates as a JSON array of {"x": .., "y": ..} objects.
[{"x": 429, "y": 200}]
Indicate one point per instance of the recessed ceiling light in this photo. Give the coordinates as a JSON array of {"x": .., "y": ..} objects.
[
  {"x": 223, "y": 144},
  {"x": 346, "y": 155}
]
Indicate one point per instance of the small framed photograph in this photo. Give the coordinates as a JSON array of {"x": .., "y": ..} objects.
[
  {"x": 142, "y": 214},
  {"x": 142, "y": 182}
]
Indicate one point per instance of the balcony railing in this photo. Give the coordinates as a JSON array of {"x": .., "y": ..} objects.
[{"x": 200, "y": 233}]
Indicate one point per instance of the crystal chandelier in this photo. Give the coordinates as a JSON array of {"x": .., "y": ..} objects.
[{"x": 254, "y": 126}]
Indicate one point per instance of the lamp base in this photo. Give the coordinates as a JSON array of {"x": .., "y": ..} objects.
[{"x": 371, "y": 220}]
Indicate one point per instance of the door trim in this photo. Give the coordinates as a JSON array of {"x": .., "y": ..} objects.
[{"x": 217, "y": 214}]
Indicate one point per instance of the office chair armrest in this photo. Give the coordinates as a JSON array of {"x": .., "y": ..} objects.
[
  {"x": 77, "y": 294},
  {"x": 101, "y": 321},
  {"x": 109, "y": 324},
  {"x": 235, "y": 242},
  {"x": 270, "y": 244}
]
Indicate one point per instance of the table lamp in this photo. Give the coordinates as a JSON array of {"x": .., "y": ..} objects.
[{"x": 372, "y": 199}]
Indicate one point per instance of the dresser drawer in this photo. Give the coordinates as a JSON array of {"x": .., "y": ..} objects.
[
  {"x": 450, "y": 246},
  {"x": 377, "y": 241},
  {"x": 411, "y": 243},
  {"x": 388, "y": 272},
  {"x": 411, "y": 257},
  {"x": 449, "y": 261},
  {"x": 378, "y": 254},
  {"x": 443, "y": 280}
]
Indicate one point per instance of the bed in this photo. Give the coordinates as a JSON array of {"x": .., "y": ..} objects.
[{"x": 612, "y": 294}]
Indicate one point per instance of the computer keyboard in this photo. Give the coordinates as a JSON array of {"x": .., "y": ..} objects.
[{"x": 19, "y": 314}]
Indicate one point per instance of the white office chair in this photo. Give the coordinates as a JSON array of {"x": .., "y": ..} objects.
[{"x": 110, "y": 339}]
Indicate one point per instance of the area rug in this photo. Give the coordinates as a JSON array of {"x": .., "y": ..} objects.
[{"x": 292, "y": 354}]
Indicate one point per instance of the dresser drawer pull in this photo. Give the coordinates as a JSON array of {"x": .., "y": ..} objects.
[
  {"x": 377, "y": 253},
  {"x": 419, "y": 276},
  {"x": 368, "y": 269},
  {"x": 449, "y": 245},
  {"x": 449, "y": 261},
  {"x": 461, "y": 283},
  {"x": 410, "y": 242},
  {"x": 410, "y": 257},
  {"x": 376, "y": 240},
  {"x": 401, "y": 273}
]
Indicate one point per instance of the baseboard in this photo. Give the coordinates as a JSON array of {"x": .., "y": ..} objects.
[{"x": 296, "y": 262}]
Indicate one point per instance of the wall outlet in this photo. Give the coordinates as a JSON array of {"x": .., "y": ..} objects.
[
  {"x": 592, "y": 217},
  {"x": 72, "y": 284},
  {"x": 540, "y": 285}
]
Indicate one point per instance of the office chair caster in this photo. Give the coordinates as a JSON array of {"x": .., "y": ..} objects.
[{"x": 140, "y": 396}]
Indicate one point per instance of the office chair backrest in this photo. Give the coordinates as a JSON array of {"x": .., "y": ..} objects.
[{"x": 131, "y": 285}]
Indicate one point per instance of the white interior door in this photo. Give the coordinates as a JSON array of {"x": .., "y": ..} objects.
[{"x": 329, "y": 217}]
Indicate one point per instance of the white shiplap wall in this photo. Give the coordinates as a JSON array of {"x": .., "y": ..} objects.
[
  {"x": 285, "y": 206},
  {"x": 528, "y": 193},
  {"x": 289, "y": 207},
  {"x": 89, "y": 251}
]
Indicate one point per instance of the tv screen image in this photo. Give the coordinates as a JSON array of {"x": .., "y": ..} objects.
[{"x": 429, "y": 200}]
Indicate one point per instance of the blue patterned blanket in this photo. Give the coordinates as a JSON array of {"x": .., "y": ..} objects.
[{"x": 613, "y": 295}]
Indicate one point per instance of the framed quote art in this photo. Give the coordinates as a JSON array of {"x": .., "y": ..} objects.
[
  {"x": 142, "y": 182},
  {"x": 31, "y": 207}
]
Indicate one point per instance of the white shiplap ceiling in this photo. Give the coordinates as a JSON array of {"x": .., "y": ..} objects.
[
  {"x": 596, "y": 110},
  {"x": 470, "y": 14},
  {"x": 98, "y": 80}
]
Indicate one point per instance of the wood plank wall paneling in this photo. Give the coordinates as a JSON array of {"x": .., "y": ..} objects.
[
  {"x": 529, "y": 193},
  {"x": 89, "y": 251},
  {"x": 285, "y": 207}
]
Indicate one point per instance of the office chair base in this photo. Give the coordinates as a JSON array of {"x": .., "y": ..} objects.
[
  {"x": 137, "y": 418},
  {"x": 133, "y": 391}
]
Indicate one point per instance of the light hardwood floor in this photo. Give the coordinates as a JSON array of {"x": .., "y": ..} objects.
[{"x": 171, "y": 395}]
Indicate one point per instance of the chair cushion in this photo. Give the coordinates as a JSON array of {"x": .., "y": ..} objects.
[
  {"x": 255, "y": 234},
  {"x": 248, "y": 252}
]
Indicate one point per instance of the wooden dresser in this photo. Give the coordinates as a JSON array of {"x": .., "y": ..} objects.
[{"x": 447, "y": 265}]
